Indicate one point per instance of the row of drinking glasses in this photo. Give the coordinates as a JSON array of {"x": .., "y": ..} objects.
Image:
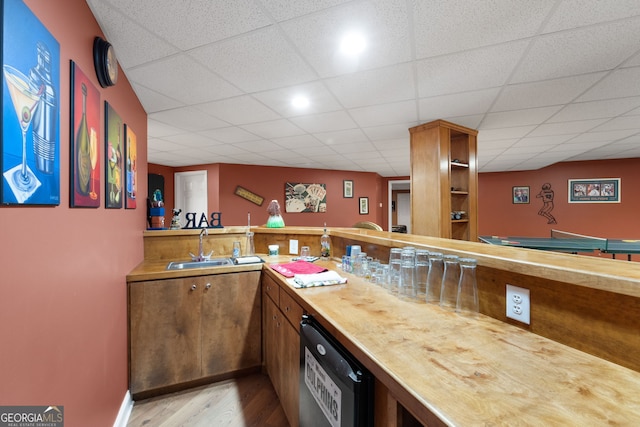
[{"x": 421, "y": 275}]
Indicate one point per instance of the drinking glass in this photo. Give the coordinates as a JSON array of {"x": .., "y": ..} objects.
[
  {"x": 305, "y": 252},
  {"x": 407, "y": 271},
  {"x": 467, "y": 301},
  {"x": 450, "y": 279},
  {"x": 421, "y": 273},
  {"x": 394, "y": 269},
  {"x": 434, "y": 277}
]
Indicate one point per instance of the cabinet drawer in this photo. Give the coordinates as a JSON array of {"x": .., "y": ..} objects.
[
  {"x": 291, "y": 309},
  {"x": 271, "y": 288}
]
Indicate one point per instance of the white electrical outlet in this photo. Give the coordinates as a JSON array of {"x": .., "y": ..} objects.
[
  {"x": 293, "y": 246},
  {"x": 518, "y": 304}
]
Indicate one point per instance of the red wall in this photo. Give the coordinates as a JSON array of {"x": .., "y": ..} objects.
[
  {"x": 269, "y": 183},
  {"x": 499, "y": 216},
  {"x": 63, "y": 321}
]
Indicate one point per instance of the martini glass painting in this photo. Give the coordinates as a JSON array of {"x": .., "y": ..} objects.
[{"x": 25, "y": 99}]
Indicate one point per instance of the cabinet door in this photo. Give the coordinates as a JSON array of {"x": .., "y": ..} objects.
[
  {"x": 231, "y": 332},
  {"x": 164, "y": 333},
  {"x": 289, "y": 355},
  {"x": 272, "y": 320}
]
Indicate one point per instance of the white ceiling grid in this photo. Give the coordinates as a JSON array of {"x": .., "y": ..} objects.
[{"x": 543, "y": 81}]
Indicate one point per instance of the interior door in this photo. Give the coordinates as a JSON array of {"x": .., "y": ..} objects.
[{"x": 191, "y": 194}]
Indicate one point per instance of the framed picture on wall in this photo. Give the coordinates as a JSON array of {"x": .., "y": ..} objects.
[
  {"x": 84, "y": 173},
  {"x": 347, "y": 189},
  {"x": 113, "y": 158},
  {"x": 131, "y": 177},
  {"x": 30, "y": 124},
  {"x": 364, "y": 205},
  {"x": 520, "y": 195},
  {"x": 594, "y": 190}
]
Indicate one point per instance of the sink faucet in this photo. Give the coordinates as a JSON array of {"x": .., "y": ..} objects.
[
  {"x": 201, "y": 256},
  {"x": 200, "y": 251}
]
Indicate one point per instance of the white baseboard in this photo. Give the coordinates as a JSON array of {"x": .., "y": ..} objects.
[{"x": 125, "y": 411}]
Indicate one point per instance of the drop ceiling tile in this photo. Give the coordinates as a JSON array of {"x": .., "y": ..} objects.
[
  {"x": 273, "y": 129},
  {"x": 283, "y": 10},
  {"x": 239, "y": 110},
  {"x": 581, "y": 51},
  {"x": 333, "y": 121},
  {"x": 341, "y": 137},
  {"x": 120, "y": 29},
  {"x": 596, "y": 109},
  {"x": 393, "y": 147},
  {"x": 174, "y": 76},
  {"x": 619, "y": 123},
  {"x": 296, "y": 141},
  {"x": 566, "y": 128},
  {"x": 577, "y": 13},
  {"x": 605, "y": 137},
  {"x": 153, "y": 101},
  {"x": 491, "y": 67},
  {"x": 384, "y": 114},
  {"x": 553, "y": 140},
  {"x": 382, "y": 22},
  {"x": 633, "y": 62},
  {"x": 618, "y": 84},
  {"x": 377, "y": 133},
  {"x": 529, "y": 116},
  {"x": 257, "y": 146},
  {"x": 197, "y": 22},
  {"x": 193, "y": 140},
  {"x": 471, "y": 121},
  {"x": 157, "y": 129},
  {"x": 459, "y": 104},
  {"x": 544, "y": 93},
  {"x": 279, "y": 100},
  {"x": 504, "y": 133},
  {"x": 257, "y": 61},
  {"x": 357, "y": 148},
  {"x": 230, "y": 135},
  {"x": 380, "y": 86},
  {"x": 443, "y": 27},
  {"x": 187, "y": 118},
  {"x": 161, "y": 145}
]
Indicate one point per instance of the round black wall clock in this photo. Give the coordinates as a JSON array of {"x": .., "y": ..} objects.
[{"x": 105, "y": 62}]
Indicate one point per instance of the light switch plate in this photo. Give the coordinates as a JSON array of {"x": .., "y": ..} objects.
[{"x": 293, "y": 246}]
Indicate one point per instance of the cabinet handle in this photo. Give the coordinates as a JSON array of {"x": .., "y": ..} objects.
[
  {"x": 268, "y": 288},
  {"x": 193, "y": 287},
  {"x": 274, "y": 317},
  {"x": 208, "y": 286},
  {"x": 287, "y": 308}
]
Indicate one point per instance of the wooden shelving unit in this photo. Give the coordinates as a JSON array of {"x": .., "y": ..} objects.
[{"x": 444, "y": 181}]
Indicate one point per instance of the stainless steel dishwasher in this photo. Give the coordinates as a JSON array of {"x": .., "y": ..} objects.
[{"x": 335, "y": 390}]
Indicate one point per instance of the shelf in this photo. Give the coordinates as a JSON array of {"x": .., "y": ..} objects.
[
  {"x": 460, "y": 220},
  {"x": 459, "y": 192}
]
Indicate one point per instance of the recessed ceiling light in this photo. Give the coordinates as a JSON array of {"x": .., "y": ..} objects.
[
  {"x": 353, "y": 44},
  {"x": 300, "y": 101}
]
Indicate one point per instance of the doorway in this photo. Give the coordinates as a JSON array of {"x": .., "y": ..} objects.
[
  {"x": 400, "y": 204},
  {"x": 190, "y": 193}
]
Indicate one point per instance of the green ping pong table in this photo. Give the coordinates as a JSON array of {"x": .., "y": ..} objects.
[{"x": 561, "y": 241}]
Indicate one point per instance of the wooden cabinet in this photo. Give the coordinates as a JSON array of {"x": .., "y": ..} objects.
[
  {"x": 188, "y": 329},
  {"x": 282, "y": 345},
  {"x": 444, "y": 181}
]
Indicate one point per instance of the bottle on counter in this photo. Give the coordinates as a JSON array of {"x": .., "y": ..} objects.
[{"x": 325, "y": 244}]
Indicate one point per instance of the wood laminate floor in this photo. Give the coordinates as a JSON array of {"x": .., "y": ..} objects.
[{"x": 247, "y": 401}]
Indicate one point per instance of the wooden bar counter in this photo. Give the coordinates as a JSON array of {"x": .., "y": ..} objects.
[{"x": 576, "y": 364}]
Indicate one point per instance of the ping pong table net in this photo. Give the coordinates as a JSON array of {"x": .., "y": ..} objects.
[{"x": 599, "y": 242}]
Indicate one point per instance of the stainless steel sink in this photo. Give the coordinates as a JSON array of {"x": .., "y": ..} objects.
[{"x": 214, "y": 262}]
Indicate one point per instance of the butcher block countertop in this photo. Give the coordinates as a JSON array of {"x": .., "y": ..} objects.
[{"x": 449, "y": 369}]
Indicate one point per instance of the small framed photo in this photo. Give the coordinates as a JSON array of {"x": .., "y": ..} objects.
[
  {"x": 364, "y": 205},
  {"x": 347, "y": 189},
  {"x": 520, "y": 195}
]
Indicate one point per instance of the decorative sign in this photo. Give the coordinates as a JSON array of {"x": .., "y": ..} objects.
[
  {"x": 248, "y": 195},
  {"x": 595, "y": 190},
  {"x": 305, "y": 197},
  {"x": 193, "y": 221}
]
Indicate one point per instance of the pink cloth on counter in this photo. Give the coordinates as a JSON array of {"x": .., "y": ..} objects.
[{"x": 297, "y": 267}]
